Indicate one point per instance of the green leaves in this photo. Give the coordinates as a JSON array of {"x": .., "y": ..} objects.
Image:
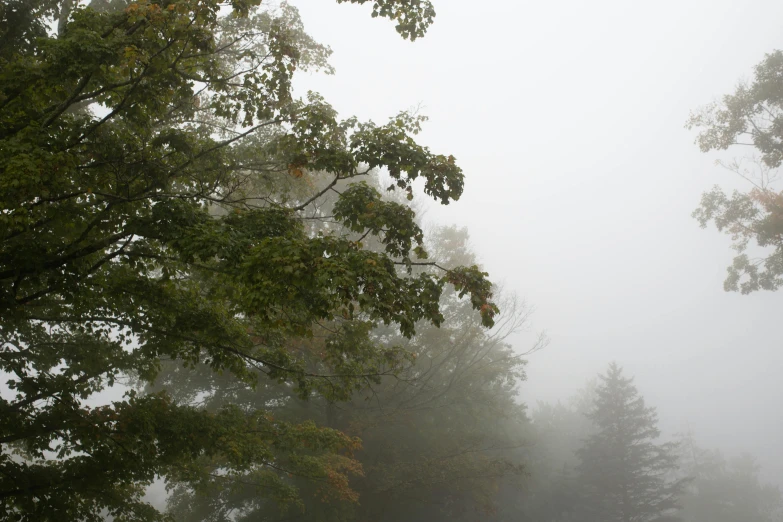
[
  {"x": 752, "y": 111},
  {"x": 393, "y": 147},
  {"x": 752, "y": 115},
  {"x": 158, "y": 185},
  {"x": 320, "y": 277},
  {"x": 436, "y": 413},
  {"x": 471, "y": 280},
  {"x": 319, "y": 142},
  {"x": 362, "y": 210},
  {"x": 413, "y": 17}
]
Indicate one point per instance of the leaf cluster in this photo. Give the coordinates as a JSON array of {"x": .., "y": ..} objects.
[{"x": 155, "y": 184}]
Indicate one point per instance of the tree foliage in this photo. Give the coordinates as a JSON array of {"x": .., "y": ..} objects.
[
  {"x": 625, "y": 476},
  {"x": 140, "y": 221},
  {"x": 726, "y": 490},
  {"x": 562, "y": 487},
  {"x": 751, "y": 116},
  {"x": 413, "y": 17},
  {"x": 436, "y": 439},
  {"x": 551, "y": 491},
  {"x": 440, "y": 438}
]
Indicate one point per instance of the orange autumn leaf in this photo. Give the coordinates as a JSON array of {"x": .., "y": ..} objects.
[{"x": 295, "y": 171}]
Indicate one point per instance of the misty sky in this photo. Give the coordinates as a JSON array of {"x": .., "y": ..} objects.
[{"x": 568, "y": 119}]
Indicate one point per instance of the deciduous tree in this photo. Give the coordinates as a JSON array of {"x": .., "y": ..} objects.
[
  {"x": 751, "y": 116},
  {"x": 138, "y": 223},
  {"x": 436, "y": 439}
]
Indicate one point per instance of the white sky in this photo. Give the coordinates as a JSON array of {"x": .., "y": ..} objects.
[{"x": 568, "y": 119}]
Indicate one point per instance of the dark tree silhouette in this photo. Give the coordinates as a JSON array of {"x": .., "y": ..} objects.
[{"x": 625, "y": 476}]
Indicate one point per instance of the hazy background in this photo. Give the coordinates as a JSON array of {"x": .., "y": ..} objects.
[{"x": 567, "y": 118}]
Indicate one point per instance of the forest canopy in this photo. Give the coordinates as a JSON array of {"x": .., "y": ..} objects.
[
  {"x": 156, "y": 188},
  {"x": 219, "y": 299}
]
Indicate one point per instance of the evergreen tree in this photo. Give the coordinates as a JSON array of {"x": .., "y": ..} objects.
[{"x": 624, "y": 475}]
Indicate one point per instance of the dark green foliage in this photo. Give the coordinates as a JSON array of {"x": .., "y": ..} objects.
[
  {"x": 413, "y": 17},
  {"x": 437, "y": 439},
  {"x": 155, "y": 178}
]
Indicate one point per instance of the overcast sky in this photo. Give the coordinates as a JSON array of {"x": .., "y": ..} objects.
[{"x": 568, "y": 119}]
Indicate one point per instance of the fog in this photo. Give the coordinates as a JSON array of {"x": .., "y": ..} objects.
[
  {"x": 211, "y": 308},
  {"x": 568, "y": 119}
]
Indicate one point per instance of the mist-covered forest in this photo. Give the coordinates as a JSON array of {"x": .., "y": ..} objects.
[{"x": 225, "y": 298}]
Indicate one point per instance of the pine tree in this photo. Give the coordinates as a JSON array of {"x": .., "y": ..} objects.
[{"x": 625, "y": 476}]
